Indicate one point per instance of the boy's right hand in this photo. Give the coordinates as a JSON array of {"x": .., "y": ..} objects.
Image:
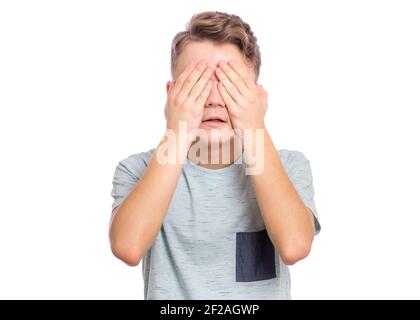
[{"x": 187, "y": 96}]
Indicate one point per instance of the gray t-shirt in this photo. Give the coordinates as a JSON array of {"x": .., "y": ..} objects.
[{"x": 213, "y": 243}]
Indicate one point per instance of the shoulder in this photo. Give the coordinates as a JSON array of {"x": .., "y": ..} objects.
[
  {"x": 292, "y": 158},
  {"x": 136, "y": 162},
  {"x": 143, "y": 156}
]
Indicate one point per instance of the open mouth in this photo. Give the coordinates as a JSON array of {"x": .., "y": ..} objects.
[{"x": 213, "y": 122}]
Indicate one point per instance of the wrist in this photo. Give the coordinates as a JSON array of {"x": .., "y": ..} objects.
[
  {"x": 254, "y": 145},
  {"x": 173, "y": 147}
]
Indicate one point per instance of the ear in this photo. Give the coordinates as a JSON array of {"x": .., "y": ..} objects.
[{"x": 169, "y": 85}]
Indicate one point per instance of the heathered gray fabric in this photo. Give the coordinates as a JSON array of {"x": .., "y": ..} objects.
[{"x": 194, "y": 254}]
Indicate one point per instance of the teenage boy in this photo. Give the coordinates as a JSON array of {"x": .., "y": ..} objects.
[{"x": 215, "y": 211}]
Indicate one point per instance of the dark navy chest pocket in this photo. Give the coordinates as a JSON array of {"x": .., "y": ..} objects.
[{"x": 255, "y": 258}]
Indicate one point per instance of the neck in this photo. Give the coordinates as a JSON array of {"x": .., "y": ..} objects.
[{"x": 215, "y": 156}]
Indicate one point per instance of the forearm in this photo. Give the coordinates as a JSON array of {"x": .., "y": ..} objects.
[
  {"x": 288, "y": 222},
  {"x": 137, "y": 221}
]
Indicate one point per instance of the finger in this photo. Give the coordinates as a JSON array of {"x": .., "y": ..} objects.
[
  {"x": 263, "y": 92},
  {"x": 191, "y": 80},
  {"x": 228, "y": 85},
  {"x": 263, "y": 95},
  {"x": 242, "y": 70},
  {"x": 201, "y": 100},
  {"x": 234, "y": 78},
  {"x": 199, "y": 86},
  {"x": 230, "y": 103},
  {"x": 177, "y": 85}
]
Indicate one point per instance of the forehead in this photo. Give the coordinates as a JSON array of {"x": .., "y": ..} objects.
[{"x": 213, "y": 52}]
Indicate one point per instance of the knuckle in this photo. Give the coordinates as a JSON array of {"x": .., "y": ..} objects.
[
  {"x": 233, "y": 111},
  {"x": 243, "y": 102},
  {"x": 190, "y": 81},
  {"x": 248, "y": 97},
  {"x": 252, "y": 99},
  {"x": 187, "y": 104},
  {"x": 177, "y": 101},
  {"x": 233, "y": 76},
  {"x": 171, "y": 99}
]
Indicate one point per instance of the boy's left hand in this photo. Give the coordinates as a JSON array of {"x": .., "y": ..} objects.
[{"x": 245, "y": 100}]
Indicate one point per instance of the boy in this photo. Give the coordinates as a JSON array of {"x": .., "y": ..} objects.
[{"x": 218, "y": 229}]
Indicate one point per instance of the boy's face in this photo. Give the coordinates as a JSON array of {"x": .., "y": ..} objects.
[{"x": 215, "y": 106}]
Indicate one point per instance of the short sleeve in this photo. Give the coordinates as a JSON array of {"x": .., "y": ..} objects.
[
  {"x": 126, "y": 175},
  {"x": 300, "y": 174}
]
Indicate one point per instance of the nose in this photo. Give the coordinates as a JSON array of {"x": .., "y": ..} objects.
[{"x": 214, "y": 99}]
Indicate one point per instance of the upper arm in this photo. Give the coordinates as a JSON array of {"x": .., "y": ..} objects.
[
  {"x": 300, "y": 174},
  {"x": 127, "y": 174}
]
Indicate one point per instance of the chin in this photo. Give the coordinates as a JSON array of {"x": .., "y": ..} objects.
[{"x": 215, "y": 135}]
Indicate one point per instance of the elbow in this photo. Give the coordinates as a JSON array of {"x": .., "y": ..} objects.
[
  {"x": 295, "y": 253},
  {"x": 122, "y": 247},
  {"x": 130, "y": 255}
]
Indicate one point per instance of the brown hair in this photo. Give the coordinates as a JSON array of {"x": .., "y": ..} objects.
[{"x": 219, "y": 27}]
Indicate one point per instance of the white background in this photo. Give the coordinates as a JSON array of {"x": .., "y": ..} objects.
[{"x": 82, "y": 86}]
